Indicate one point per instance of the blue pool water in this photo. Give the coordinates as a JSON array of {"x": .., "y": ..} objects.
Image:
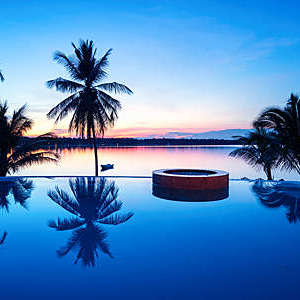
[{"x": 244, "y": 247}]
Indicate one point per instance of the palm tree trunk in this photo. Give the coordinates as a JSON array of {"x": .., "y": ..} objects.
[
  {"x": 268, "y": 173},
  {"x": 95, "y": 150}
]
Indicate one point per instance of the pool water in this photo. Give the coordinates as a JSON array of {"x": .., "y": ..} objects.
[{"x": 243, "y": 247}]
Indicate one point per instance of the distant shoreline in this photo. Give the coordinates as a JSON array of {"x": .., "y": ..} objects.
[{"x": 132, "y": 142}]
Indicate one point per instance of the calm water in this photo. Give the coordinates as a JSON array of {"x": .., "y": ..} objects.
[
  {"x": 142, "y": 160},
  {"x": 238, "y": 248}
]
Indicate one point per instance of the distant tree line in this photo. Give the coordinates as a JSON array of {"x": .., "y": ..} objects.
[{"x": 130, "y": 142}]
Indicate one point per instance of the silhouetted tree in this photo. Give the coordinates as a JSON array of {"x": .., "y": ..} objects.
[
  {"x": 278, "y": 194},
  {"x": 286, "y": 124},
  {"x": 93, "y": 109},
  {"x": 15, "y": 153},
  {"x": 260, "y": 150},
  {"x": 93, "y": 201}
]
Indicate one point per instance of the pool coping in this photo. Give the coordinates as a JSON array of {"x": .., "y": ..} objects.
[{"x": 126, "y": 176}]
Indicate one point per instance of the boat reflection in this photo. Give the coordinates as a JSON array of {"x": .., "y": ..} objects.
[
  {"x": 276, "y": 194},
  {"x": 189, "y": 195},
  {"x": 92, "y": 201}
]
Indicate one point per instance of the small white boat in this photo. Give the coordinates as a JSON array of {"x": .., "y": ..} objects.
[{"x": 106, "y": 167}]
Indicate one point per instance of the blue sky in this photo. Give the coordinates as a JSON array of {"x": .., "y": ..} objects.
[{"x": 193, "y": 65}]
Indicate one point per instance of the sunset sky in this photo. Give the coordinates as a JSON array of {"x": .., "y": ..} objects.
[{"x": 194, "y": 66}]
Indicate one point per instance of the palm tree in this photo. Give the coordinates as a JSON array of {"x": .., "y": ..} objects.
[
  {"x": 286, "y": 124},
  {"x": 278, "y": 194},
  {"x": 93, "y": 109},
  {"x": 15, "y": 153},
  {"x": 260, "y": 150},
  {"x": 93, "y": 201},
  {"x": 19, "y": 188}
]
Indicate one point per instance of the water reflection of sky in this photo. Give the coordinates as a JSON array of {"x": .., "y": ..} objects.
[
  {"x": 142, "y": 161},
  {"x": 237, "y": 248}
]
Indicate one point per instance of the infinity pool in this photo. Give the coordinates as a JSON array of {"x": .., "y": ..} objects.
[{"x": 58, "y": 241}]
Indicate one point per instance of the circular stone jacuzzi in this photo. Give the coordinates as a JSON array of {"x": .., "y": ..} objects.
[{"x": 190, "y": 184}]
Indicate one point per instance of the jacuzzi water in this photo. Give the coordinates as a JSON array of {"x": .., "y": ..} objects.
[
  {"x": 189, "y": 172},
  {"x": 241, "y": 247}
]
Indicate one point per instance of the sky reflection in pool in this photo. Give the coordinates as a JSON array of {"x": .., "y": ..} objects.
[{"x": 237, "y": 248}]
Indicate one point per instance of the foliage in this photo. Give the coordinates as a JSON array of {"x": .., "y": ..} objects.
[
  {"x": 260, "y": 150},
  {"x": 15, "y": 154},
  {"x": 93, "y": 108},
  {"x": 286, "y": 124}
]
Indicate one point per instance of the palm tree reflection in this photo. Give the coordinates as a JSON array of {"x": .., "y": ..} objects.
[
  {"x": 3, "y": 237},
  {"x": 93, "y": 201},
  {"x": 20, "y": 189},
  {"x": 278, "y": 194}
]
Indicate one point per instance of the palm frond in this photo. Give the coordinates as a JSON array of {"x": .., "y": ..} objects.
[
  {"x": 116, "y": 219},
  {"x": 63, "y": 108},
  {"x": 21, "y": 190},
  {"x": 20, "y": 159},
  {"x": 64, "y": 200},
  {"x": 66, "y": 224},
  {"x": 247, "y": 153},
  {"x": 69, "y": 63},
  {"x": 115, "y": 87},
  {"x": 64, "y": 85},
  {"x": 19, "y": 123},
  {"x": 88, "y": 241}
]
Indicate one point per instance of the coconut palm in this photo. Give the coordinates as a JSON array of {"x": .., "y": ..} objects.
[
  {"x": 93, "y": 109},
  {"x": 93, "y": 201},
  {"x": 286, "y": 124},
  {"x": 260, "y": 150},
  {"x": 278, "y": 194},
  {"x": 19, "y": 188},
  {"x": 15, "y": 153}
]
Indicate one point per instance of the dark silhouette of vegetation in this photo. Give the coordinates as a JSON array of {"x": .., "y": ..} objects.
[
  {"x": 260, "y": 150},
  {"x": 285, "y": 123},
  {"x": 93, "y": 201},
  {"x": 1, "y": 76},
  {"x": 94, "y": 110},
  {"x": 13, "y": 154},
  {"x": 278, "y": 194},
  {"x": 20, "y": 189},
  {"x": 69, "y": 142}
]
